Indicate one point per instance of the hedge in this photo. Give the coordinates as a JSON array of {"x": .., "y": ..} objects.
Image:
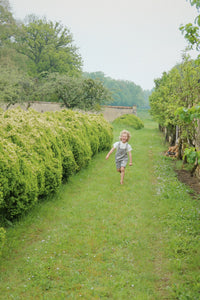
[
  {"x": 129, "y": 120},
  {"x": 38, "y": 151}
]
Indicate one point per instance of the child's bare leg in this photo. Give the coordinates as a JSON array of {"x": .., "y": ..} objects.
[
  {"x": 119, "y": 170},
  {"x": 122, "y": 174}
]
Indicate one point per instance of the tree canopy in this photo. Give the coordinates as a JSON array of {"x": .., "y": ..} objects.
[
  {"x": 49, "y": 47},
  {"x": 178, "y": 91},
  {"x": 83, "y": 93},
  {"x": 39, "y": 61},
  {"x": 180, "y": 87},
  {"x": 7, "y": 23},
  {"x": 124, "y": 93}
]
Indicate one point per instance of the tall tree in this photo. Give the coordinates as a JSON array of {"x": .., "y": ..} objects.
[
  {"x": 49, "y": 47},
  {"x": 178, "y": 88},
  {"x": 15, "y": 86},
  {"x": 124, "y": 93},
  {"x": 7, "y": 23},
  {"x": 86, "y": 94}
]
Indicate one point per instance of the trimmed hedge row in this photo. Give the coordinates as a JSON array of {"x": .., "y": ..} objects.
[
  {"x": 129, "y": 120},
  {"x": 39, "y": 151}
]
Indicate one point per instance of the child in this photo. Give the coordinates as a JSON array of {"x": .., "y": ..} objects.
[{"x": 121, "y": 157}]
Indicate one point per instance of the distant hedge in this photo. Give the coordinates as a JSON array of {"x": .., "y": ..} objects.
[
  {"x": 38, "y": 151},
  {"x": 129, "y": 120}
]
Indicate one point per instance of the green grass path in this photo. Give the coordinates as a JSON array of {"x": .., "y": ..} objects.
[{"x": 97, "y": 239}]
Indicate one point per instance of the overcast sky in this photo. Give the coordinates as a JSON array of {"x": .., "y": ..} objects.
[{"x": 135, "y": 40}]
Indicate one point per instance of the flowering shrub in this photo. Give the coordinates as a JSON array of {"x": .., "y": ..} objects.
[{"x": 39, "y": 151}]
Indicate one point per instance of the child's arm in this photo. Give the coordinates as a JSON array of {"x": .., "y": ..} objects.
[
  {"x": 110, "y": 152},
  {"x": 130, "y": 159}
]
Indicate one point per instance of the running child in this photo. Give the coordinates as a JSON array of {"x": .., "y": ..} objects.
[{"x": 121, "y": 156}]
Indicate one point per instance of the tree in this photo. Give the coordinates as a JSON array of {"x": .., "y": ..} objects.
[
  {"x": 7, "y": 23},
  {"x": 124, "y": 93},
  {"x": 192, "y": 31},
  {"x": 72, "y": 92},
  {"x": 49, "y": 47},
  {"x": 15, "y": 86},
  {"x": 94, "y": 94},
  {"x": 179, "y": 87}
]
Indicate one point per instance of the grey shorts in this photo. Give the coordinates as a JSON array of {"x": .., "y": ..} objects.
[{"x": 121, "y": 163}]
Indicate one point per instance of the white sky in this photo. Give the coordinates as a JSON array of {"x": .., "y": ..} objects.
[{"x": 135, "y": 40}]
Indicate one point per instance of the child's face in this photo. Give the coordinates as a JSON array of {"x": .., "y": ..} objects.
[{"x": 124, "y": 138}]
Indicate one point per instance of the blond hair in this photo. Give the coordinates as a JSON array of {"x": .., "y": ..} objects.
[{"x": 125, "y": 132}]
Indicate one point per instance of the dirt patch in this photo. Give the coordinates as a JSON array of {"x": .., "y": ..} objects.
[{"x": 192, "y": 181}]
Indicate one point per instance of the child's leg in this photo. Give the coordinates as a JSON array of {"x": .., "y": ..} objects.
[
  {"x": 118, "y": 166},
  {"x": 122, "y": 174}
]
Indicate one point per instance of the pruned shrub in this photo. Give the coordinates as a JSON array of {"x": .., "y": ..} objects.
[
  {"x": 129, "y": 120},
  {"x": 39, "y": 151}
]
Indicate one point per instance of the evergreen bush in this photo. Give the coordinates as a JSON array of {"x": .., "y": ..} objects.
[
  {"x": 129, "y": 120},
  {"x": 39, "y": 151}
]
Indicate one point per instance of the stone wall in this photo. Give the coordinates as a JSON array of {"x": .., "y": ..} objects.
[
  {"x": 112, "y": 112},
  {"x": 109, "y": 112}
]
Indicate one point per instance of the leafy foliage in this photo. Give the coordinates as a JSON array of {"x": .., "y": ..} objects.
[
  {"x": 49, "y": 47},
  {"x": 189, "y": 115},
  {"x": 192, "y": 155},
  {"x": 124, "y": 93},
  {"x": 86, "y": 94},
  {"x": 38, "y": 151},
  {"x": 191, "y": 31},
  {"x": 15, "y": 86},
  {"x": 7, "y": 23},
  {"x": 129, "y": 120},
  {"x": 179, "y": 87}
]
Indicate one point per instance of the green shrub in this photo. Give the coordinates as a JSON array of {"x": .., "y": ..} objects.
[
  {"x": 129, "y": 120},
  {"x": 18, "y": 189},
  {"x": 39, "y": 151}
]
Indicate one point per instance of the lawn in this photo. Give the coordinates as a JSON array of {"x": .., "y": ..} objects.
[{"x": 97, "y": 239}]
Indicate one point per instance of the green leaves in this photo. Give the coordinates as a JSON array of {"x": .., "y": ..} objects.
[
  {"x": 7, "y": 23},
  {"x": 124, "y": 93},
  {"x": 49, "y": 47},
  {"x": 188, "y": 115},
  {"x": 178, "y": 88},
  {"x": 129, "y": 120},
  {"x": 191, "y": 32},
  {"x": 38, "y": 151},
  {"x": 15, "y": 85},
  {"x": 86, "y": 94},
  {"x": 196, "y": 3},
  {"x": 192, "y": 155}
]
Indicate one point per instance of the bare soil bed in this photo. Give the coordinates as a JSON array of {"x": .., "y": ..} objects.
[{"x": 192, "y": 181}]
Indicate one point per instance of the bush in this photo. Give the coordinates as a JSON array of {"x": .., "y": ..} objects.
[
  {"x": 39, "y": 151},
  {"x": 129, "y": 120}
]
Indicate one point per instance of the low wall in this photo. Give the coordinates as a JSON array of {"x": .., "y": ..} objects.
[{"x": 109, "y": 112}]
